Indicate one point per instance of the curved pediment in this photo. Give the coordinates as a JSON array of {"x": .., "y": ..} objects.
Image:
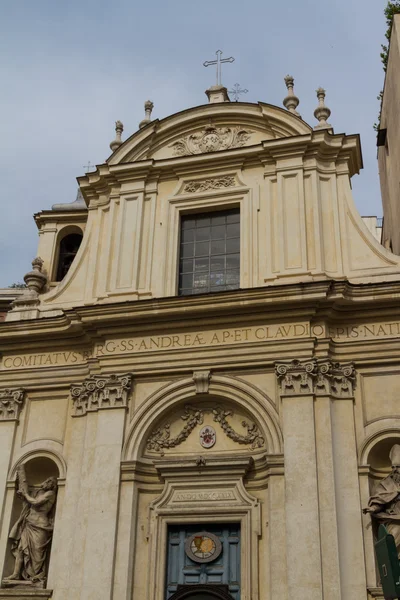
[{"x": 209, "y": 128}]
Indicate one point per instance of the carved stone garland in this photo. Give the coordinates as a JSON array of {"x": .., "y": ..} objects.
[
  {"x": 11, "y": 401},
  {"x": 160, "y": 438},
  {"x": 211, "y": 139},
  {"x": 316, "y": 377},
  {"x": 101, "y": 391},
  {"x": 204, "y": 185}
]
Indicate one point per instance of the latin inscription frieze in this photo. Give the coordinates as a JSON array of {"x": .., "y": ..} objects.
[{"x": 203, "y": 339}]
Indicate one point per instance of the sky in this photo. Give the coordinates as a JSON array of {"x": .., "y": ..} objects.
[{"x": 70, "y": 69}]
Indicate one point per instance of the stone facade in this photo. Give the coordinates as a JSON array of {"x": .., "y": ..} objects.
[
  {"x": 272, "y": 407},
  {"x": 389, "y": 152}
]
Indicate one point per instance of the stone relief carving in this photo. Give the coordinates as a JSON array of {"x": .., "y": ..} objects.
[
  {"x": 31, "y": 534},
  {"x": 211, "y": 139},
  {"x": 316, "y": 377},
  {"x": 253, "y": 437},
  {"x": 161, "y": 437},
  {"x": 11, "y": 401},
  {"x": 384, "y": 504},
  {"x": 215, "y": 183},
  {"x": 201, "y": 381},
  {"x": 101, "y": 391}
]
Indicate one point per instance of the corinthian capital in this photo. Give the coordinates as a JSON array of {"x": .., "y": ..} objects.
[
  {"x": 101, "y": 391},
  {"x": 11, "y": 401}
]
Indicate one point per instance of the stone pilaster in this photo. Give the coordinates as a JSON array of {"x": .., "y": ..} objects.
[
  {"x": 303, "y": 550},
  {"x": 89, "y": 521}
]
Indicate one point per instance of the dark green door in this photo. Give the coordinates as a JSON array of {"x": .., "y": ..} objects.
[{"x": 224, "y": 570}]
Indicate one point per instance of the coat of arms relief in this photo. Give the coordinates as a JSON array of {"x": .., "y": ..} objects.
[{"x": 211, "y": 139}]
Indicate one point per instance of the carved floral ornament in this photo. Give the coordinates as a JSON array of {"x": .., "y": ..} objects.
[
  {"x": 203, "y": 185},
  {"x": 316, "y": 377},
  {"x": 99, "y": 392},
  {"x": 161, "y": 439},
  {"x": 11, "y": 401},
  {"x": 211, "y": 139}
]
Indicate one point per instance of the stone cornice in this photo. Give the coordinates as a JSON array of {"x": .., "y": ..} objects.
[{"x": 325, "y": 299}]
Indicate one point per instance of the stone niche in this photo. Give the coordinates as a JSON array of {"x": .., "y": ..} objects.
[
  {"x": 205, "y": 427},
  {"x": 37, "y": 470}
]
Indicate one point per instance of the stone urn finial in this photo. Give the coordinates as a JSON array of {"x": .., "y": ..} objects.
[
  {"x": 119, "y": 127},
  {"x": 291, "y": 101},
  {"x": 322, "y": 112},
  {"x": 36, "y": 280},
  {"x": 148, "y": 107}
]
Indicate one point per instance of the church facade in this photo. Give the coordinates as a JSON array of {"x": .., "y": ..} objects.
[{"x": 199, "y": 386}]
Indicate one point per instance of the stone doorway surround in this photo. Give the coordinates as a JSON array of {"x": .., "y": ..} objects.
[{"x": 204, "y": 491}]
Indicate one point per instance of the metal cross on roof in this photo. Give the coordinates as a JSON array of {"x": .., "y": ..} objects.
[
  {"x": 89, "y": 166},
  {"x": 218, "y": 62},
  {"x": 237, "y": 91}
]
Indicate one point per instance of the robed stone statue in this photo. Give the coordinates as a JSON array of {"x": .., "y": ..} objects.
[
  {"x": 31, "y": 534},
  {"x": 384, "y": 505}
]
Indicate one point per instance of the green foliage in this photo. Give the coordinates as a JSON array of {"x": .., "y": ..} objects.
[
  {"x": 392, "y": 8},
  {"x": 17, "y": 286}
]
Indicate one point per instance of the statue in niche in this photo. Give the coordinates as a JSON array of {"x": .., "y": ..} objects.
[
  {"x": 31, "y": 534},
  {"x": 384, "y": 505}
]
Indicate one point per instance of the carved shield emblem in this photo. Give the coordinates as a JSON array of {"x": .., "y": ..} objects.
[{"x": 208, "y": 437}]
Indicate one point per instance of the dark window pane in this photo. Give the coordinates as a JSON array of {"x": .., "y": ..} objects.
[
  {"x": 202, "y": 249},
  {"x": 187, "y": 250},
  {"x": 188, "y": 223},
  {"x": 201, "y": 264},
  {"x": 218, "y": 232},
  {"x": 217, "y": 263},
  {"x": 232, "y": 277},
  {"x": 186, "y": 266},
  {"x": 202, "y": 221},
  {"x": 186, "y": 281},
  {"x": 233, "y": 216},
  {"x": 187, "y": 235},
  {"x": 218, "y": 219},
  {"x": 233, "y": 261},
  {"x": 209, "y": 252},
  {"x": 218, "y": 247},
  {"x": 232, "y": 245},
  {"x": 203, "y": 233},
  {"x": 233, "y": 230}
]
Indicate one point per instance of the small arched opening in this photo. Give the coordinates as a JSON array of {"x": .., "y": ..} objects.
[{"x": 68, "y": 248}]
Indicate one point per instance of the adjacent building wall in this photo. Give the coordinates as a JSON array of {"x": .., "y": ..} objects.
[{"x": 389, "y": 154}]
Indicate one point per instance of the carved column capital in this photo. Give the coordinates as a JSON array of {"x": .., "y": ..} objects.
[
  {"x": 322, "y": 377},
  {"x": 336, "y": 379},
  {"x": 201, "y": 381},
  {"x": 11, "y": 402},
  {"x": 296, "y": 377},
  {"x": 100, "y": 391}
]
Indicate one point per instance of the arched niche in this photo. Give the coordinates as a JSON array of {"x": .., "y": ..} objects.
[
  {"x": 68, "y": 243},
  {"x": 30, "y": 474},
  {"x": 233, "y": 393}
]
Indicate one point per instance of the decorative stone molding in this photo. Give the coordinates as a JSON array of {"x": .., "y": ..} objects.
[
  {"x": 101, "y": 391},
  {"x": 253, "y": 437},
  {"x": 296, "y": 377},
  {"x": 316, "y": 377},
  {"x": 11, "y": 401},
  {"x": 203, "y": 185},
  {"x": 336, "y": 379},
  {"x": 218, "y": 495},
  {"x": 160, "y": 438},
  {"x": 35, "y": 282},
  {"x": 201, "y": 381},
  {"x": 211, "y": 139}
]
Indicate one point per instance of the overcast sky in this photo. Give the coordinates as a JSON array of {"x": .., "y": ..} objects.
[{"x": 70, "y": 68}]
